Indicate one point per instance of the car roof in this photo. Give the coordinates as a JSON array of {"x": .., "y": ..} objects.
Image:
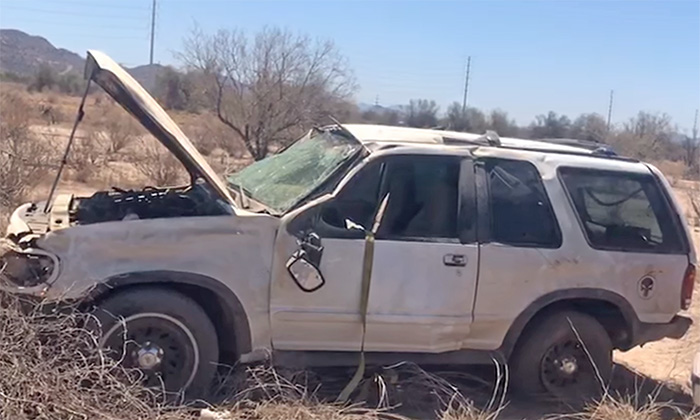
[
  {"x": 372, "y": 133},
  {"x": 549, "y": 154}
]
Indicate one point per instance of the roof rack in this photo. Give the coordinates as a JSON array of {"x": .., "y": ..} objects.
[
  {"x": 589, "y": 148},
  {"x": 489, "y": 138}
]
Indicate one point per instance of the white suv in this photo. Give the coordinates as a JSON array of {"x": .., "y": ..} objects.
[{"x": 407, "y": 244}]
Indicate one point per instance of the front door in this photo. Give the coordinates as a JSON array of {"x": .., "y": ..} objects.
[{"x": 424, "y": 265}]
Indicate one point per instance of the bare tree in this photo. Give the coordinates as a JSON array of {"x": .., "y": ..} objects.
[
  {"x": 270, "y": 84},
  {"x": 691, "y": 148},
  {"x": 420, "y": 113},
  {"x": 470, "y": 119},
  {"x": 503, "y": 125},
  {"x": 156, "y": 162},
  {"x": 652, "y": 126},
  {"x": 88, "y": 155},
  {"x": 646, "y": 136},
  {"x": 117, "y": 130},
  {"x": 550, "y": 125},
  {"x": 590, "y": 127},
  {"x": 380, "y": 115}
]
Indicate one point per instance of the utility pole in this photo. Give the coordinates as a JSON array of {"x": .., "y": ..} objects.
[
  {"x": 153, "y": 28},
  {"x": 695, "y": 128},
  {"x": 610, "y": 106},
  {"x": 466, "y": 85}
]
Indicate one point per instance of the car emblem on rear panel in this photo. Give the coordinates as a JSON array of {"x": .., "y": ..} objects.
[{"x": 646, "y": 287}]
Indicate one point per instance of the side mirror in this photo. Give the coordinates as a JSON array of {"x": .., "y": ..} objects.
[{"x": 305, "y": 274}]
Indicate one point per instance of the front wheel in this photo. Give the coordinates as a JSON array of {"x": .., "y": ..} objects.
[
  {"x": 165, "y": 335},
  {"x": 567, "y": 355}
]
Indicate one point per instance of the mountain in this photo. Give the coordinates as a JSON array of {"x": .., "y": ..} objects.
[
  {"x": 147, "y": 74},
  {"x": 23, "y": 54},
  {"x": 379, "y": 109}
]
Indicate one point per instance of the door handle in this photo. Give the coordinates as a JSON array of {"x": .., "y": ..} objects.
[{"x": 454, "y": 260}]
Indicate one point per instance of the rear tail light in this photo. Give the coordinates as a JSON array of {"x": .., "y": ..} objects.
[{"x": 687, "y": 288}]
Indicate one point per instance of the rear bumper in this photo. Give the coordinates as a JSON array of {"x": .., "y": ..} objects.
[{"x": 675, "y": 329}]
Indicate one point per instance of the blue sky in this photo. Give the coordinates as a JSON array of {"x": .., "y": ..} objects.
[{"x": 528, "y": 57}]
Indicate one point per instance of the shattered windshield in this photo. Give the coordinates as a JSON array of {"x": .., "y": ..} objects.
[{"x": 280, "y": 181}]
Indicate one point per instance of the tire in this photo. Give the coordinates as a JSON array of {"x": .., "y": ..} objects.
[
  {"x": 168, "y": 337},
  {"x": 550, "y": 359}
]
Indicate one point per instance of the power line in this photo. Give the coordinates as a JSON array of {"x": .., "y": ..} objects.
[
  {"x": 11, "y": 6},
  {"x": 93, "y": 3},
  {"x": 87, "y": 26}
]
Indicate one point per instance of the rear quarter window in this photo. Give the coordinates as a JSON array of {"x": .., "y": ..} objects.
[{"x": 622, "y": 211}]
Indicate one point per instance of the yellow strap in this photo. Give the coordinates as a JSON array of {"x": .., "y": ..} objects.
[{"x": 368, "y": 260}]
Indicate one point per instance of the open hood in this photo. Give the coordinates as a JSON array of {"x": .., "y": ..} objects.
[{"x": 126, "y": 91}]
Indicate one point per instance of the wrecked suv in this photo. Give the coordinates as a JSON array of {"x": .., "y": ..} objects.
[{"x": 389, "y": 243}]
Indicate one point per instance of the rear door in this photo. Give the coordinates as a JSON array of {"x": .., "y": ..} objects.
[{"x": 522, "y": 257}]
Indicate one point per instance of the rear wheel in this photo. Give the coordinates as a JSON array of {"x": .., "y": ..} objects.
[
  {"x": 567, "y": 355},
  {"x": 164, "y": 334}
]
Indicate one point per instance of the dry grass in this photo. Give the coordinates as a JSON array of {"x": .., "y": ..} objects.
[
  {"x": 50, "y": 369},
  {"x": 694, "y": 199},
  {"x": 156, "y": 163},
  {"x": 24, "y": 159},
  {"x": 115, "y": 130},
  {"x": 629, "y": 407}
]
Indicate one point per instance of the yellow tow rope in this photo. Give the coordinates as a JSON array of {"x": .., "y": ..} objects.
[{"x": 364, "y": 301}]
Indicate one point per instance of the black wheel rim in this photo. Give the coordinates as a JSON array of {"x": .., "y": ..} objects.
[
  {"x": 566, "y": 370},
  {"x": 161, "y": 349}
]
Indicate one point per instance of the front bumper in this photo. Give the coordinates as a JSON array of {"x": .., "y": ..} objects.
[{"x": 675, "y": 329}]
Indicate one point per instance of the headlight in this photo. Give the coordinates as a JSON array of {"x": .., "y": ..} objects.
[{"x": 20, "y": 268}]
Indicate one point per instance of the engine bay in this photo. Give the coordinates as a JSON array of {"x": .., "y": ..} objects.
[{"x": 146, "y": 203}]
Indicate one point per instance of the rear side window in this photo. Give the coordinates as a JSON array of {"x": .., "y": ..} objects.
[
  {"x": 622, "y": 211},
  {"x": 521, "y": 214}
]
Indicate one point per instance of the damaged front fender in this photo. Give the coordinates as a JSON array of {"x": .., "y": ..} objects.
[{"x": 25, "y": 268}]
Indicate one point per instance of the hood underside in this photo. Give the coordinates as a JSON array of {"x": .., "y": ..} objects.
[{"x": 126, "y": 91}]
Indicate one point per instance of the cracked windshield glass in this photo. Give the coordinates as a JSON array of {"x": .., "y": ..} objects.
[{"x": 280, "y": 181}]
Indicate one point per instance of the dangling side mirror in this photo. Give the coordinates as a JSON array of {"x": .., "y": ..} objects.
[{"x": 305, "y": 274}]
